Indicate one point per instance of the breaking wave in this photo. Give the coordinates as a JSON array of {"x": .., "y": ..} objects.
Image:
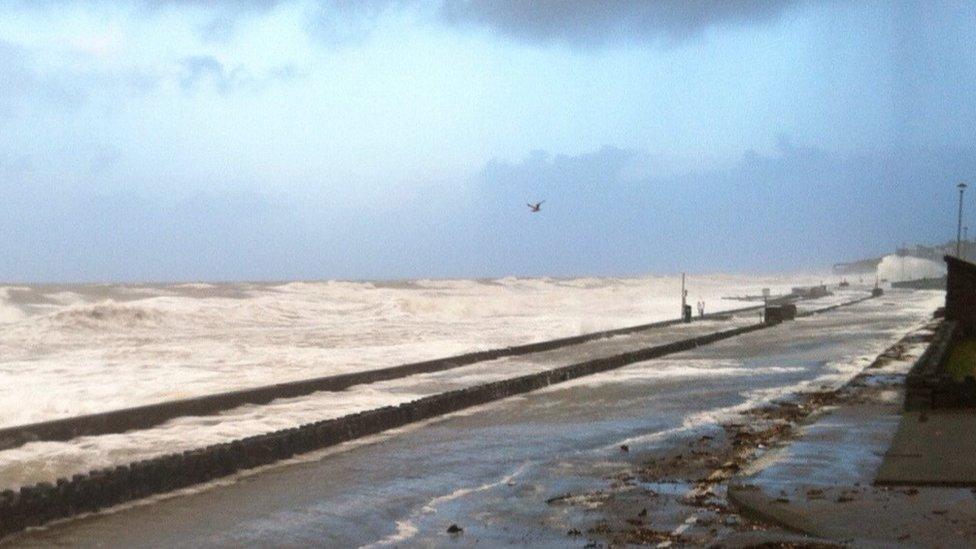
[
  {"x": 106, "y": 315},
  {"x": 893, "y": 267},
  {"x": 73, "y": 346},
  {"x": 8, "y": 311}
]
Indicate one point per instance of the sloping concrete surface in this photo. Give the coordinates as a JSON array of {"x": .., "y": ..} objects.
[
  {"x": 822, "y": 483},
  {"x": 932, "y": 448}
]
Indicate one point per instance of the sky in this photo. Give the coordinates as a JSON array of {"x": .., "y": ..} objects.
[{"x": 168, "y": 140}]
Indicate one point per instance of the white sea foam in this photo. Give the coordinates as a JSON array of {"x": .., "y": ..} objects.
[
  {"x": 203, "y": 340},
  {"x": 9, "y": 313},
  {"x": 405, "y": 530},
  {"x": 894, "y": 268},
  {"x": 71, "y": 350},
  {"x": 432, "y": 505},
  {"x": 674, "y": 369}
]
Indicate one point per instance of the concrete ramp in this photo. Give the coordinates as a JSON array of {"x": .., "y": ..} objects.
[{"x": 932, "y": 448}]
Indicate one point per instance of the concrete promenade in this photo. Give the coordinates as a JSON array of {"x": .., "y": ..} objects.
[
  {"x": 38, "y": 504},
  {"x": 824, "y": 482},
  {"x": 932, "y": 448},
  {"x": 503, "y": 460}
]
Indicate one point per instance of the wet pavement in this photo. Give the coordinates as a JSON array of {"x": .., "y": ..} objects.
[
  {"x": 551, "y": 468},
  {"x": 824, "y": 482}
]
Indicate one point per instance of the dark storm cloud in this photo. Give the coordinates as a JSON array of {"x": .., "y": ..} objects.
[
  {"x": 574, "y": 22},
  {"x": 798, "y": 206},
  {"x": 596, "y": 22}
]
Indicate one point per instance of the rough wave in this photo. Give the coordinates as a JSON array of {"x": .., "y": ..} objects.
[
  {"x": 896, "y": 268},
  {"x": 8, "y": 311},
  {"x": 106, "y": 315},
  {"x": 71, "y": 347}
]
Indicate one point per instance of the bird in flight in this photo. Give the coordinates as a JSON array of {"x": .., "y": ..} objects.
[{"x": 535, "y": 207}]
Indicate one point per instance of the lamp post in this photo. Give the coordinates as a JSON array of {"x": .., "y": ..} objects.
[
  {"x": 962, "y": 188},
  {"x": 965, "y": 238},
  {"x": 685, "y": 317}
]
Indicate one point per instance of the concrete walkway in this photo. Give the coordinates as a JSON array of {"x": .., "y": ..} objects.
[
  {"x": 502, "y": 472},
  {"x": 822, "y": 483},
  {"x": 932, "y": 448}
]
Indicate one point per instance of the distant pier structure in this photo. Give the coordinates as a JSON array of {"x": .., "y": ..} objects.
[
  {"x": 863, "y": 266},
  {"x": 932, "y": 253},
  {"x": 934, "y": 283}
]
